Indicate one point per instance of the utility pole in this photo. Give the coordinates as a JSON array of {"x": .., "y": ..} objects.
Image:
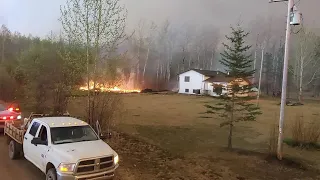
[{"x": 285, "y": 77}]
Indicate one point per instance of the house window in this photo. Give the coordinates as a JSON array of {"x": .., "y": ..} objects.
[
  {"x": 187, "y": 79},
  {"x": 196, "y": 91},
  {"x": 186, "y": 90}
]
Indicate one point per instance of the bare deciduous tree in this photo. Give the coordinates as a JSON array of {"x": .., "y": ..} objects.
[
  {"x": 306, "y": 65},
  {"x": 99, "y": 26}
]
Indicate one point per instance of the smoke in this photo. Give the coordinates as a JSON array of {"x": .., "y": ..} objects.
[{"x": 219, "y": 13}]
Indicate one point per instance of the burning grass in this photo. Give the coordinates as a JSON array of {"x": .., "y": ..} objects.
[{"x": 101, "y": 87}]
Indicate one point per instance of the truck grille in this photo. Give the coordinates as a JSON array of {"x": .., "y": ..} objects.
[{"x": 94, "y": 165}]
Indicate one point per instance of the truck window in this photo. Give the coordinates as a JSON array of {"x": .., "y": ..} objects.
[
  {"x": 34, "y": 128},
  {"x": 71, "y": 134},
  {"x": 43, "y": 134}
]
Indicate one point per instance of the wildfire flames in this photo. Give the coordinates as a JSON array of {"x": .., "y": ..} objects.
[{"x": 104, "y": 88}]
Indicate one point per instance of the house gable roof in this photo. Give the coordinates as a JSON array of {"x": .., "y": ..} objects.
[
  {"x": 206, "y": 72},
  {"x": 225, "y": 79},
  {"x": 216, "y": 76},
  {"x": 218, "y": 79}
]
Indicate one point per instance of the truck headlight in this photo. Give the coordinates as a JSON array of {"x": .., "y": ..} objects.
[
  {"x": 116, "y": 159},
  {"x": 19, "y": 117},
  {"x": 66, "y": 167}
]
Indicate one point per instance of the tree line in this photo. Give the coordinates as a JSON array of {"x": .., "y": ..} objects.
[
  {"x": 91, "y": 47},
  {"x": 39, "y": 72},
  {"x": 158, "y": 53}
]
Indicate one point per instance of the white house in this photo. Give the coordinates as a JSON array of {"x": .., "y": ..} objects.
[{"x": 196, "y": 81}]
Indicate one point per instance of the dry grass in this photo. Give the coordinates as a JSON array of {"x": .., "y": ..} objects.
[
  {"x": 273, "y": 139},
  {"x": 170, "y": 111},
  {"x": 306, "y": 132},
  {"x": 312, "y": 132},
  {"x": 177, "y": 124},
  {"x": 141, "y": 160},
  {"x": 297, "y": 129}
]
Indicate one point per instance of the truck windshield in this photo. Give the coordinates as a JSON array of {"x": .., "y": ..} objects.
[{"x": 62, "y": 135}]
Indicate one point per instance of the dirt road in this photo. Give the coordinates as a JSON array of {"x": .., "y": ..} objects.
[{"x": 16, "y": 169}]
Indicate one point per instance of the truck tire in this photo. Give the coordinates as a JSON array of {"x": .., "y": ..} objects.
[
  {"x": 51, "y": 174},
  {"x": 14, "y": 150}
]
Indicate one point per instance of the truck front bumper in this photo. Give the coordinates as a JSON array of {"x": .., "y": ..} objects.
[{"x": 95, "y": 176}]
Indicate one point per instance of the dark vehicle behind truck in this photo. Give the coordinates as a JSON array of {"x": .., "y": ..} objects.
[{"x": 9, "y": 112}]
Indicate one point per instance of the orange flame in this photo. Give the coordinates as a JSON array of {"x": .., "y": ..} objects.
[{"x": 103, "y": 88}]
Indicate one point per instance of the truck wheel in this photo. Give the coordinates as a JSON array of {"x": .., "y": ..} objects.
[
  {"x": 21, "y": 153},
  {"x": 14, "y": 151},
  {"x": 51, "y": 174}
]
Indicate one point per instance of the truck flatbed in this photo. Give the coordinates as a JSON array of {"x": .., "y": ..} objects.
[{"x": 14, "y": 131}]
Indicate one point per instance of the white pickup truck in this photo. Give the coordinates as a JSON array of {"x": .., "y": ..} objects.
[{"x": 64, "y": 148}]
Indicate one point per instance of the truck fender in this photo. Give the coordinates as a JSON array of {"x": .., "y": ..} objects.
[{"x": 49, "y": 166}]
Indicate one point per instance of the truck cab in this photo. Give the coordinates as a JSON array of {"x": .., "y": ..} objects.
[{"x": 65, "y": 148}]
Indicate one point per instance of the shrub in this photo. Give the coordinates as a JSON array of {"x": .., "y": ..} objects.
[
  {"x": 305, "y": 134},
  {"x": 147, "y": 91},
  {"x": 8, "y": 86},
  {"x": 312, "y": 132},
  {"x": 218, "y": 88},
  {"x": 107, "y": 109}
]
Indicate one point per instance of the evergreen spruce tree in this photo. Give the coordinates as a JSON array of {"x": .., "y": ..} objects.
[{"x": 235, "y": 106}]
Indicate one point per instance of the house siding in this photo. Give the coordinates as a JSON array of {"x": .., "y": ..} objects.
[{"x": 196, "y": 82}]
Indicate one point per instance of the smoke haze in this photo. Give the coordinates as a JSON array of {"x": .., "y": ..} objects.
[{"x": 18, "y": 15}]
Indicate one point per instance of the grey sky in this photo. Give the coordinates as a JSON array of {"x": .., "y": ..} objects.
[{"x": 39, "y": 17}]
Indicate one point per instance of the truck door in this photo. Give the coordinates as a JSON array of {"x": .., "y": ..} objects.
[
  {"x": 28, "y": 148},
  {"x": 42, "y": 150}
]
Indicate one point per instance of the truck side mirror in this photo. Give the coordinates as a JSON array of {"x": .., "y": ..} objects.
[{"x": 36, "y": 140}]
